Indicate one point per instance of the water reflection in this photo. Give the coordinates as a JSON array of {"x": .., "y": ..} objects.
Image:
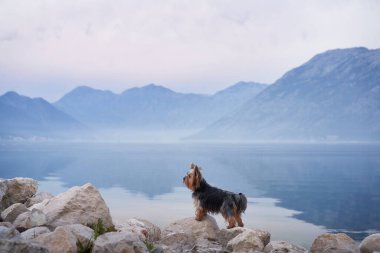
[{"x": 332, "y": 186}]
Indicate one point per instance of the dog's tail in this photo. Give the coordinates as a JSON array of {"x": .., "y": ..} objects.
[{"x": 241, "y": 202}]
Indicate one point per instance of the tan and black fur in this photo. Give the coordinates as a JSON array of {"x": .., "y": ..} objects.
[{"x": 209, "y": 199}]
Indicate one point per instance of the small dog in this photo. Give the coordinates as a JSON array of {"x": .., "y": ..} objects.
[{"x": 209, "y": 199}]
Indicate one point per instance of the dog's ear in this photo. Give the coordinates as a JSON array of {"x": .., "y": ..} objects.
[{"x": 197, "y": 176}]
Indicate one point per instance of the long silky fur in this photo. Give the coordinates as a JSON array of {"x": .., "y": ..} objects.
[{"x": 215, "y": 200}]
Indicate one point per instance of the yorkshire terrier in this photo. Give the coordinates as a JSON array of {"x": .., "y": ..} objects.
[{"x": 209, "y": 199}]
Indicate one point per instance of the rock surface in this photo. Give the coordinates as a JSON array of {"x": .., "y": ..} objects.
[
  {"x": 34, "y": 232},
  {"x": 207, "y": 228},
  {"x": 30, "y": 219},
  {"x": 59, "y": 241},
  {"x": 283, "y": 247},
  {"x": 143, "y": 227},
  {"x": 245, "y": 242},
  {"x": 38, "y": 198},
  {"x": 80, "y": 231},
  {"x": 10, "y": 214},
  {"x": 119, "y": 242},
  {"x": 20, "y": 246},
  {"x": 79, "y": 205},
  {"x": 16, "y": 190},
  {"x": 333, "y": 243},
  {"x": 8, "y": 233},
  {"x": 370, "y": 244},
  {"x": 225, "y": 235}
]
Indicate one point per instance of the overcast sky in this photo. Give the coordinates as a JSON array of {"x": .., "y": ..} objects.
[{"x": 49, "y": 47}]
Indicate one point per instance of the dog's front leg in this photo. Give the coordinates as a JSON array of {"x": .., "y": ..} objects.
[{"x": 199, "y": 214}]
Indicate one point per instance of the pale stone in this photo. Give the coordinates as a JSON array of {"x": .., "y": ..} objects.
[
  {"x": 79, "y": 205},
  {"x": 142, "y": 227},
  {"x": 6, "y": 224},
  {"x": 80, "y": 232},
  {"x": 333, "y": 243},
  {"x": 370, "y": 244},
  {"x": 119, "y": 242},
  {"x": 8, "y": 233},
  {"x": 34, "y": 218},
  {"x": 225, "y": 235},
  {"x": 178, "y": 241},
  {"x": 245, "y": 242},
  {"x": 38, "y": 198},
  {"x": 34, "y": 232},
  {"x": 207, "y": 228},
  {"x": 16, "y": 190},
  {"x": 283, "y": 247},
  {"x": 10, "y": 214},
  {"x": 59, "y": 241},
  {"x": 7, "y": 245}
]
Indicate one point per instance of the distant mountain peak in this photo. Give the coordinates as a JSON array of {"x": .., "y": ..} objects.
[{"x": 150, "y": 88}]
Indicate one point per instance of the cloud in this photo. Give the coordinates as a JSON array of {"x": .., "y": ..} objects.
[{"x": 198, "y": 46}]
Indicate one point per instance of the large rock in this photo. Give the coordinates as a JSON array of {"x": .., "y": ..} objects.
[
  {"x": 20, "y": 246},
  {"x": 370, "y": 244},
  {"x": 246, "y": 242},
  {"x": 10, "y": 214},
  {"x": 6, "y": 224},
  {"x": 146, "y": 229},
  {"x": 79, "y": 205},
  {"x": 119, "y": 242},
  {"x": 38, "y": 198},
  {"x": 283, "y": 247},
  {"x": 8, "y": 233},
  {"x": 81, "y": 232},
  {"x": 32, "y": 233},
  {"x": 225, "y": 235},
  {"x": 59, "y": 241},
  {"x": 333, "y": 243},
  {"x": 30, "y": 219},
  {"x": 178, "y": 241},
  {"x": 16, "y": 190},
  {"x": 207, "y": 228}
]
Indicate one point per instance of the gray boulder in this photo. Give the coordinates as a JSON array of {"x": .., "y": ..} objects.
[
  {"x": 333, "y": 243},
  {"x": 10, "y": 214},
  {"x": 34, "y": 232},
  {"x": 20, "y": 246},
  {"x": 59, "y": 241},
  {"x": 81, "y": 232},
  {"x": 79, "y": 205},
  {"x": 246, "y": 242},
  {"x": 283, "y": 247},
  {"x": 16, "y": 190},
  {"x": 370, "y": 244},
  {"x": 225, "y": 235},
  {"x": 30, "y": 219},
  {"x": 146, "y": 229},
  {"x": 119, "y": 242},
  {"x": 207, "y": 228},
  {"x": 38, "y": 198},
  {"x": 9, "y": 233}
]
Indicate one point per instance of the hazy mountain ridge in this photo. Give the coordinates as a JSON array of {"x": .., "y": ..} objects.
[
  {"x": 25, "y": 117},
  {"x": 334, "y": 96},
  {"x": 154, "y": 107}
]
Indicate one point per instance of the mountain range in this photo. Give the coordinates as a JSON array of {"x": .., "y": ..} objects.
[{"x": 335, "y": 96}]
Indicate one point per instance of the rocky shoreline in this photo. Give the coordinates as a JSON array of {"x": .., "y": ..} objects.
[{"x": 79, "y": 220}]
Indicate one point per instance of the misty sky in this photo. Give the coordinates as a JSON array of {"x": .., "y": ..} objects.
[{"x": 49, "y": 47}]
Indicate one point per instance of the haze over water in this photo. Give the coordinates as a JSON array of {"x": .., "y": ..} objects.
[{"x": 296, "y": 191}]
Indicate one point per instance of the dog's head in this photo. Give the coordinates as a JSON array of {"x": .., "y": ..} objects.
[{"x": 193, "y": 178}]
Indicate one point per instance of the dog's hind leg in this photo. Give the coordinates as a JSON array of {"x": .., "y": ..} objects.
[
  {"x": 238, "y": 219},
  {"x": 199, "y": 214},
  {"x": 231, "y": 222}
]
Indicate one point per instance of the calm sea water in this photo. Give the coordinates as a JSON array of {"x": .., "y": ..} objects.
[{"x": 295, "y": 191}]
